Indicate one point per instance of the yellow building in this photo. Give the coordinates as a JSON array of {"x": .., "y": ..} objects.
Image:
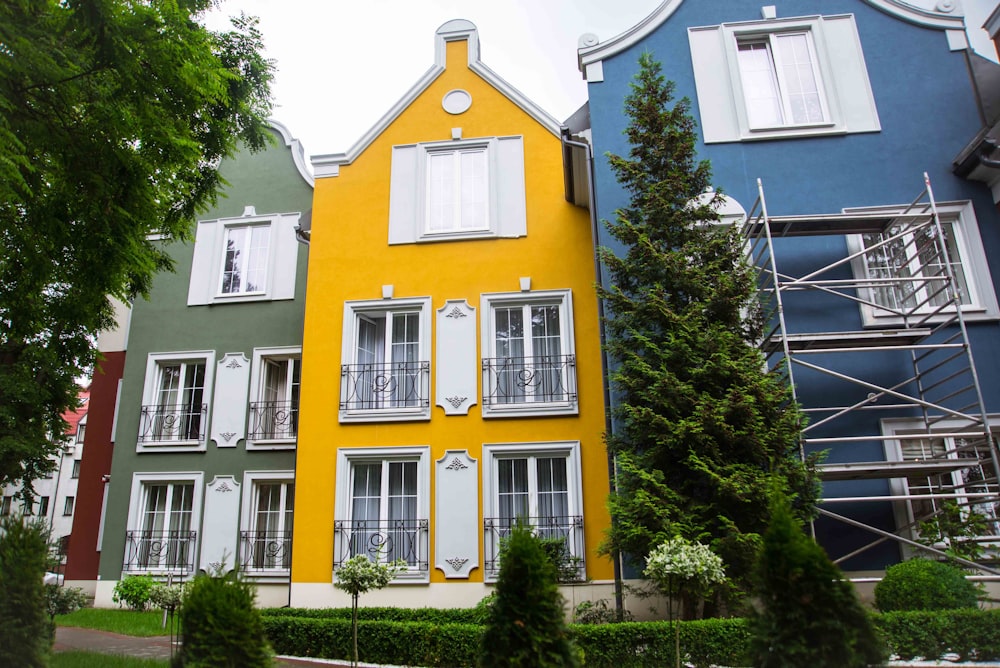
[{"x": 451, "y": 377}]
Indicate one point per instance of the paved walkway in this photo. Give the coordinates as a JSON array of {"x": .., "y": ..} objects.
[{"x": 158, "y": 647}]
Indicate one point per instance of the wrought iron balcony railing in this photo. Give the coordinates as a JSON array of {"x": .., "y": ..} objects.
[
  {"x": 171, "y": 551},
  {"x": 274, "y": 420},
  {"x": 383, "y": 541},
  {"x": 265, "y": 551},
  {"x": 169, "y": 422},
  {"x": 392, "y": 385},
  {"x": 562, "y": 539},
  {"x": 529, "y": 380}
]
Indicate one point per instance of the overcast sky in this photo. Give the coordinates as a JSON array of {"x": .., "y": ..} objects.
[{"x": 341, "y": 64}]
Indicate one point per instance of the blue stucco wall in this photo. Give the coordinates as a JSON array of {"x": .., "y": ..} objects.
[{"x": 927, "y": 113}]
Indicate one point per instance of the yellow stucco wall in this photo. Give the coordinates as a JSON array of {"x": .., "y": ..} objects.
[{"x": 350, "y": 259}]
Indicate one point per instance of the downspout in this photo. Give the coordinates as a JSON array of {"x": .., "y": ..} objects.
[
  {"x": 985, "y": 149},
  {"x": 303, "y": 237},
  {"x": 599, "y": 274}
]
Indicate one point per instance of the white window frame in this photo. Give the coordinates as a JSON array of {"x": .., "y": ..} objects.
[
  {"x": 150, "y": 396},
  {"x": 492, "y": 452},
  {"x": 410, "y": 188},
  {"x": 261, "y": 358},
  {"x": 458, "y": 228},
  {"x": 253, "y": 230},
  {"x": 354, "y": 311},
  {"x": 903, "y": 508},
  {"x": 69, "y": 504},
  {"x": 137, "y": 509},
  {"x": 279, "y": 263},
  {"x": 564, "y": 300},
  {"x": 421, "y": 454},
  {"x": 838, "y": 66},
  {"x": 776, "y": 56},
  {"x": 964, "y": 227},
  {"x": 248, "y": 515}
]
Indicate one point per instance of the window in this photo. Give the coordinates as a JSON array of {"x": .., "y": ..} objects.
[
  {"x": 76, "y": 469},
  {"x": 43, "y": 506},
  {"x": 538, "y": 485},
  {"x": 383, "y": 506},
  {"x": 781, "y": 84},
  {"x": 959, "y": 484},
  {"x": 387, "y": 376},
  {"x": 162, "y": 514},
  {"x": 81, "y": 430},
  {"x": 244, "y": 267},
  {"x": 531, "y": 366},
  {"x": 906, "y": 266},
  {"x": 457, "y": 189},
  {"x": 274, "y": 414},
  {"x": 266, "y": 536},
  {"x": 174, "y": 412},
  {"x": 249, "y": 258},
  {"x": 68, "y": 505},
  {"x": 5, "y": 506},
  {"x": 778, "y": 78}
]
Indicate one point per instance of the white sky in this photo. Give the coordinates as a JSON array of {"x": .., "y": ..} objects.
[{"x": 341, "y": 64}]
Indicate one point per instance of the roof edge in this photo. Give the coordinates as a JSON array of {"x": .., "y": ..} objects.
[{"x": 298, "y": 151}]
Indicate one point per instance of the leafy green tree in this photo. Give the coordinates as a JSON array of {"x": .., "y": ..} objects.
[
  {"x": 220, "y": 626},
  {"x": 359, "y": 575},
  {"x": 25, "y": 633},
  {"x": 114, "y": 115},
  {"x": 809, "y": 616},
  {"x": 526, "y": 626},
  {"x": 699, "y": 426}
]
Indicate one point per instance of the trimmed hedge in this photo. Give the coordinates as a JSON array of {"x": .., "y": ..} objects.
[
  {"x": 972, "y": 634},
  {"x": 432, "y": 615}
]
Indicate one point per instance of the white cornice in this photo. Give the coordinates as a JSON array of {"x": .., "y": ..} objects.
[
  {"x": 592, "y": 52},
  {"x": 298, "y": 152},
  {"x": 452, "y": 31}
]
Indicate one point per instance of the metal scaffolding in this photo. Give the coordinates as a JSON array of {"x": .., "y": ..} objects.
[{"x": 899, "y": 275}]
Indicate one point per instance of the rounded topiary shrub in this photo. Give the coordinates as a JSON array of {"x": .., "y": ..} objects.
[{"x": 922, "y": 584}]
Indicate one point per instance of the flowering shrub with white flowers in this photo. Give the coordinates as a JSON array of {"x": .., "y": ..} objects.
[{"x": 686, "y": 561}]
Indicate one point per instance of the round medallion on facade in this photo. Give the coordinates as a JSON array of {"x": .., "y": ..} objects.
[{"x": 456, "y": 101}]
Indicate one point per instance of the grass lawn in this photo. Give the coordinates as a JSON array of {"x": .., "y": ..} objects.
[
  {"x": 126, "y": 622},
  {"x": 93, "y": 660}
]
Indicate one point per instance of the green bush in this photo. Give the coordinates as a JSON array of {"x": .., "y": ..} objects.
[
  {"x": 25, "y": 630},
  {"x": 969, "y": 633},
  {"x": 922, "y": 584},
  {"x": 220, "y": 627},
  {"x": 432, "y": 615},
  {"x": 133, "y": 591},
  {"x": 526, "y": 625},
  {"x": 808, "y": 615},
  {"x": 398, "y": 643}
]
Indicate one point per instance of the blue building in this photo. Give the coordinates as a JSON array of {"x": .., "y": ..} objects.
[{"x": 838, "y": 130}]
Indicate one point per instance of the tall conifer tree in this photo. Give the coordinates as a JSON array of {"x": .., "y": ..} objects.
[{"x": 700, "y": 427}]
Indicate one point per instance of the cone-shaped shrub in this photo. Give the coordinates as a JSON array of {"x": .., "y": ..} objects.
[
  {"x": 526, "y": 625},
  {"x": 25, "y": 632},
  {"x": 809, "y": 616},
  {"x": 220, "y": 627}
]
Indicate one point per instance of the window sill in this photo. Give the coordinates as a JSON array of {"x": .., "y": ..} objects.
[
  {"x": 171, "y": 446},
  {"x": 870, "y": 320},
  {"x": 529, "y": 410},
  {"x": 792, "y": 131},
  {"x": 272, "y": 444},
  {"x": 389, "y": 415}
]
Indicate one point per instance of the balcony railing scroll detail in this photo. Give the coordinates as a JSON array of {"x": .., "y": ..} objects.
[
  {"x": 562, "y": 539},
  {"x": 274, "y": 420},
  {"x": 169, "y": 422},
  {"x": 171, "y": 551},
  {"x": 382, "y": 386},
  {"x": 383, "y": 541},
  {"x": 265, "y": 551},
  {"x": 529, "y": 380}
]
